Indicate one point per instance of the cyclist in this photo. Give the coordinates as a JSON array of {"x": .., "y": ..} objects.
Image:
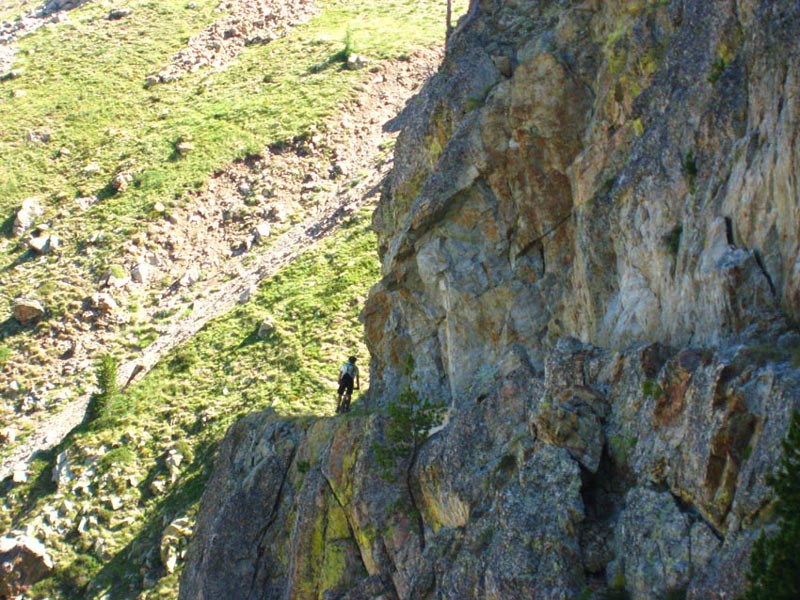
[{"x": 348, "y": 375}]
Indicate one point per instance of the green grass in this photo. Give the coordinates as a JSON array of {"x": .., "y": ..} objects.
[
  {"x": 187, "y": 403},
  {"x": 84, "y": 83},
  {"x": 10, "y": 9}
]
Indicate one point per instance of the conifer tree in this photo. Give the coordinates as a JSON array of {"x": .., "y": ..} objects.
[{"x": 775, "y": 561}]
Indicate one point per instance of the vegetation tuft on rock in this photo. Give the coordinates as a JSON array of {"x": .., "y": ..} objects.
[{"x": 775, "y": 560}]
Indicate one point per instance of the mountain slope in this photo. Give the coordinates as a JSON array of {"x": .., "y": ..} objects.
[{"x": 282, "y": 141}]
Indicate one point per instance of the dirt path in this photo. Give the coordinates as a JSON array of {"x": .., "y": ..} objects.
[{"x": 357, "y": 138}]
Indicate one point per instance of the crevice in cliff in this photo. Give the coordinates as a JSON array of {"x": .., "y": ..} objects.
[
  {"x": 539, "y": 240},
  {"x": 694, "y": 515},
  {"x": 261, "y": 548},
  {"x": 347, "y": 519},
  {"x": 760, "y": 263},
  {"x": 414, "y": 504},
  {"x": 729, "y": 231},
  {"x": 603, "y": 495}
]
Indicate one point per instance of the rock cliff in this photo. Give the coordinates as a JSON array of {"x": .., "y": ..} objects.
[{"x": 590, "y": 247}]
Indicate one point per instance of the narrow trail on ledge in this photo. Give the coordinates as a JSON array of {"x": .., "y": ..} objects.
[{"x": 374, "y": 120}]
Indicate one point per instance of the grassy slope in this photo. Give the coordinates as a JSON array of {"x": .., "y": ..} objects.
[
  {"x": 84, "y": 83},
  {"x": 96, "y": 107},
  {"x": 187, "y": 403}
]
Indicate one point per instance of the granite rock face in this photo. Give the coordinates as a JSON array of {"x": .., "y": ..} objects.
[{"x": 590, "y": 248}]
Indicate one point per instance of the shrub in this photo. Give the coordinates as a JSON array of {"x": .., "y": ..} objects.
[
  {"x": 674, "y": 239},
  {"x": 717, "y": 69},
  {"x": 775, "y": 561},
  {"x": 107, "y": 387},
  {"x": 410, "y": 419},
  {"x": 651, "y": 389},
  {"x": 182, "y": 361},
  {"x": 349, "y": 49}
]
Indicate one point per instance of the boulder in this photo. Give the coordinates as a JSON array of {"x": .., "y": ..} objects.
[
  {"x": 44, "y": 242},
  {"x": 261, "y": 232},
  {"x": 12, "y": 74},
  {"x": 190, "y": 277},
  {"x": 26, "y": 215},
  {"x": 103, "y": 302},
  {"x": 24, "y": 561},
  {"x": 266, "y": 328},
  {"x": 62, "y": 475},
  {"x": 173, "y": 543},
  {"x": 118, "y": 13},
  {"x": 8, "y": 435},
  {"x": 27, "y": 310},
  {"x": 13, "y": 389},
  {"x": 41, "y": 136},
  {"x": 121, "y": 182},
  {"x": 92, "y": 168},
  {"x": 355, "y": 62},
  {"x": 184, "y": 147},
  {"x": 19, "y": 474},
  {"x": 140, "y": 272},
  {"x": 115, "y": 277},
  {"x": 245, "y": 296}
]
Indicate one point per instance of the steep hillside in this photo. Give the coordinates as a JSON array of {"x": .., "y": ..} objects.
[
  {"x": 197, "y": 175},
  {"x": 115, "y": 170},
  {"x": 589, "y": 253}
]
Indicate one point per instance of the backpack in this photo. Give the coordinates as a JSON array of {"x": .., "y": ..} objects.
[{"x": 348, "y": 368}]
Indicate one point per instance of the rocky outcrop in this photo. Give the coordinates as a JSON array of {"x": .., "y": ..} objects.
[
  {"x": 26, "y": 216},
  {"x": 23, "y": 562},
  {"x": 589, "y": 246},
  {"x": 644, "y": 468},
  {"x": 250, "y": 22}
]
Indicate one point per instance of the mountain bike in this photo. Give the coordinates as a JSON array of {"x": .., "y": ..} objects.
[{"x": 344, "y": 405}]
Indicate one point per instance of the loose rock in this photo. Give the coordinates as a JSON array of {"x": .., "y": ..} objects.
[
  {"x": 27, "y": 311},
  {"x": 118, "y": 13},
  {"x": 26, "y": 215}
]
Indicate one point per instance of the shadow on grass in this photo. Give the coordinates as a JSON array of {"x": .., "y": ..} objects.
[
  {"x": 43, "y": 485},
  {"x": 182, "y": 495},
  {"x": 26, "y": 256},
  {"x": 338, "y": 60},
  {"x": 120, "y": 575},
  {"x": 271, "y": 338},
  {"x": 105, "y": 193},
  {"x": 10, "y": 327},
  {"x": 7, "y": 226}
]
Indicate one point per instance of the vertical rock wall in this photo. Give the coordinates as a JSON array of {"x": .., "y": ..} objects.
[{"x": 622, "y": 173}]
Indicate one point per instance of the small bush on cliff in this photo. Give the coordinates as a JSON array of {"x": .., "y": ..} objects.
[
  {"x": 775, "y": 561},
  {"x": 410, "y": 419}
]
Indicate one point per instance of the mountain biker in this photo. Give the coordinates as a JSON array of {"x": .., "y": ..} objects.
[{"x": 348, "y": 374}]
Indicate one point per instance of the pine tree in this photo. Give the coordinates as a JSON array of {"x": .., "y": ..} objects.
[
  {"x": 411, "y": 417},
  {"x": 106, "y": 386},
  {"x": 775, "y": 561}
]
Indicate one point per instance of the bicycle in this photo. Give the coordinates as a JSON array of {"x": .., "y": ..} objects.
[{"x": 343, "y": 403}]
